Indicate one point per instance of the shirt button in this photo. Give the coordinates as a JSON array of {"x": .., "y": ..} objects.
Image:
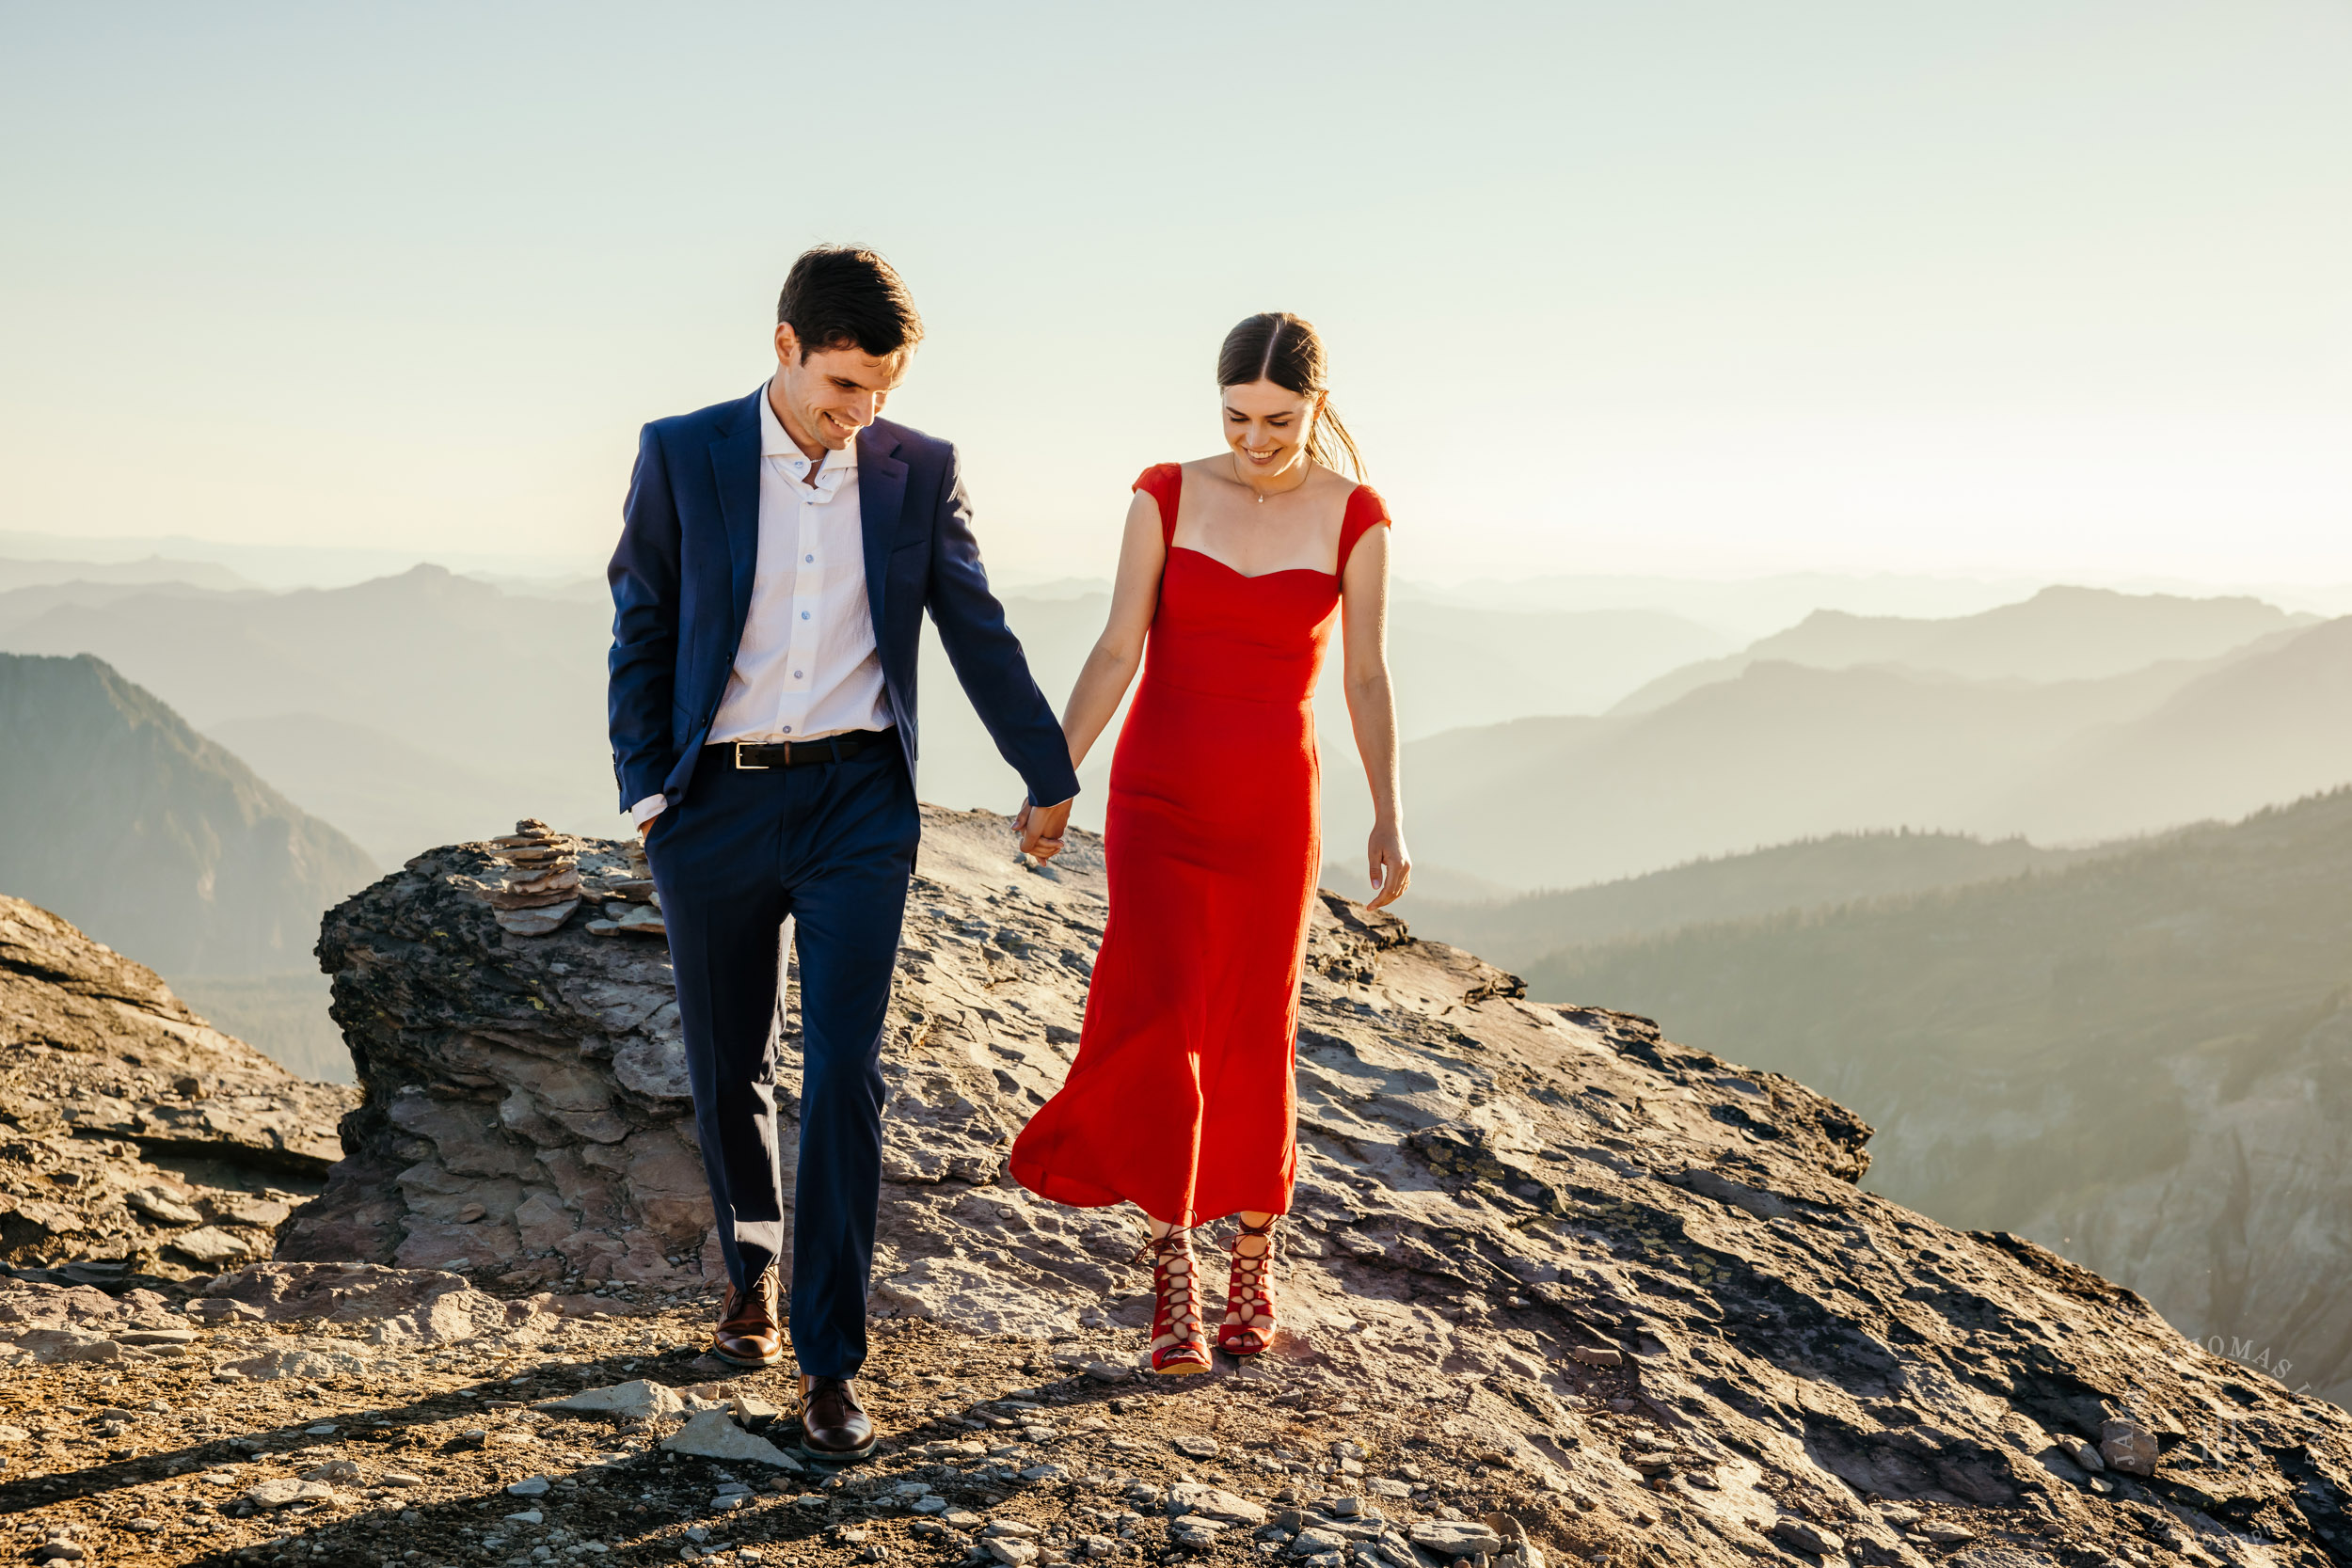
[
  {"x": 808, "y": 558},
  {"x": 796, "y": 675},
  {"x": 788, "y": 729},
  {"x": 803, "y": 614}
]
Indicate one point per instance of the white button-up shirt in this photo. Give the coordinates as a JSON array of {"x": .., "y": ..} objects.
[{"x": 807, "y": 666}]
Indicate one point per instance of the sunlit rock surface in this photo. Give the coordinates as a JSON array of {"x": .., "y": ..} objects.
[
  {"x": 134, "y": 1136},
  {"x": 1643, "y": 1273}
]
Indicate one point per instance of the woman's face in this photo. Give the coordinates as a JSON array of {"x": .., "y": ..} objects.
[{"x": 1268, "y": 425}]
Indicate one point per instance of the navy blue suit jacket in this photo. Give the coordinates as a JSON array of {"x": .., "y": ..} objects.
[{"x": 682, "y": 590}]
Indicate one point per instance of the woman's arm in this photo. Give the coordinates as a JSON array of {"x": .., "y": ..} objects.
[
  {"x": 1372, "y": 709},
  {"x": 1110, "y": 669},
  {"x": 1118, "y": 652}
]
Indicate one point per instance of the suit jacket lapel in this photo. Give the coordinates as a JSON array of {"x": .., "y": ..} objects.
[
  {"x": 882, "y": 487},
  {"x": 735, "y": 464}
]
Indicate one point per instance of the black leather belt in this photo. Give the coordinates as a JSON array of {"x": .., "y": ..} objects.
[{"x": 755, "y": 756}]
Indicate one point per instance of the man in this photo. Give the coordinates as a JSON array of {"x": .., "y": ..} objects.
[{"x": 777, "y": 555}]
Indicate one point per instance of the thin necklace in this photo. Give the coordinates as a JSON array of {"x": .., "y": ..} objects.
[{"x": 1244, "y": 480}]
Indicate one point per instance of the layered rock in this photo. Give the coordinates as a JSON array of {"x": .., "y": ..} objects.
[
  {"x": 134, "y": 1136},
  {"x": 1642, "y": 1274},
  {"x": 41, "y": 1322},
  {"x": 542, "y": 888},
  {"x": 526, "y": 1108}
]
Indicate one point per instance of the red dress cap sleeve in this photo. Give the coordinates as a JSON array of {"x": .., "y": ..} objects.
[
  {"x": 1365, "y": 511},
  {"x": 1165, "y": 483}
]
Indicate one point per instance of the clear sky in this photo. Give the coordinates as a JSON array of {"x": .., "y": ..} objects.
[{"x": 2018, "y": 285}]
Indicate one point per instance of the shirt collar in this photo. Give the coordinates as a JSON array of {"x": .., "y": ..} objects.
[{"x": 774, "y": 442}]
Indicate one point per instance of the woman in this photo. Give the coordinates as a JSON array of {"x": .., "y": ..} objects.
[{"x": 1182, "y": 1100}]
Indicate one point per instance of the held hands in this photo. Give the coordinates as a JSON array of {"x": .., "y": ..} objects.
[
  {"x": 1042, "y": 828},
  {"x": 1391, "y": 866}
]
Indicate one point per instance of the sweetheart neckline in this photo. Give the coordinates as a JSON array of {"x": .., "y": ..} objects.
[{"x": 1252, "y": 577}]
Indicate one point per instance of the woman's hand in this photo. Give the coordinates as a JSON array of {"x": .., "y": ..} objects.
[
  {"x": 1040, "y": 829},
  {"x": 1391, "y": 866}
]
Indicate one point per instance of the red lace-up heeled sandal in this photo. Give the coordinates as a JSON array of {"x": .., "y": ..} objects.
[
  {"x": 1176, "y": 1304},
  {"x": 1250, "y": 1295}
]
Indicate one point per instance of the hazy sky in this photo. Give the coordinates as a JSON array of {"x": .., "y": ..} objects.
[{"x": 2023, "y": 285}]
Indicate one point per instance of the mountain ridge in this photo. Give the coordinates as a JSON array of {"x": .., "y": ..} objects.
[
  {"x": 1788, "y": 751},
  {"x": 493, "y": 684},
  {"x": 2071, "y": 1053},
  {"x": 1834, "y": 869},
  {"x": 2061, "y": 632},
  {"x": 152, "y": 837}
]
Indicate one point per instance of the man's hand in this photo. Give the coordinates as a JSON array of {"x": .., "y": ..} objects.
[{"x": 1041, "y": 829}]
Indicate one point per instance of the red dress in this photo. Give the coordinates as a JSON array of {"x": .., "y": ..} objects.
[{"x": 1182, "y": 1098}]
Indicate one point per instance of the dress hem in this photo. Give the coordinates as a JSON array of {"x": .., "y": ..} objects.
[{"x": 1073, "y": 1194}]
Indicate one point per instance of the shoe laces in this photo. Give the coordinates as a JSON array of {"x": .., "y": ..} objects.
[
  {"x": 1253, "y": 1273},
  {"x": 1163, "y": 1252}
]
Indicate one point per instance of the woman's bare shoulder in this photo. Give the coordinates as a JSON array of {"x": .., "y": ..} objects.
[{"x": 1330, "y": 482}]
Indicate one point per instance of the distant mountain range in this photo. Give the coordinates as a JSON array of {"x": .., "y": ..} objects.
[
  {"x": 150, "y": 837},
  {"x": 2272, "y": 725},
  {"x": 1782, "y": 751},
  {"x": 1809, "y": 873},
  {"x": 391, "y": 795},
  {"x": 276, "y": 566},
  {"x": 427, "y": 707},
  {"x": 2060, "y": 634},
  {"x": 148, "y": 572},
  {"x": 2143, "y": 1061},
  {"x": 158, "y": 841},
  {"x": 1452, "y": 665},
  {"x": 416, "y": 709}
]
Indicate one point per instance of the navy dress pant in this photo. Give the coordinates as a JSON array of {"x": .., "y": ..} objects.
[{"x": 832, "y": 847}]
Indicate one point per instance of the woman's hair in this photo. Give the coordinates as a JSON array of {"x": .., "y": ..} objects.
[{"x": 1276, "y": 346}]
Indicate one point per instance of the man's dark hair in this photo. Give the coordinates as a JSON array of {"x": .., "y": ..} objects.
[{"x": 843, "y": 297}]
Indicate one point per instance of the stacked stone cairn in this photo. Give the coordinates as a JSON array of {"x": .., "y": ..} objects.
[
  {"x": 542, "y": 887},
  {"x": 634, "y": 907}
]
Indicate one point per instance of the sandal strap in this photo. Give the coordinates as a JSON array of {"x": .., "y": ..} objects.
[
  {"x": 1173, "y": 1303},
  {"x": 1256, "y": 1265},
  {"x": 1155, "y": 1249},
  {"x": 1248, "y": 1291}
]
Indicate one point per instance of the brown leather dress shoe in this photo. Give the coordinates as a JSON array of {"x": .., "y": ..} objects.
[
  {"x": 749, "y": 1332},
  {"x": 832, "y": 1424}
]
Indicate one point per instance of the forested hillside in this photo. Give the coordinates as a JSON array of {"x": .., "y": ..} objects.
[{"x": 2143, "y": 1061}]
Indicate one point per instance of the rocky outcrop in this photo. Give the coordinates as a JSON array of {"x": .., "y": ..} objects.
[
  {"x": 1639, "y": 1277},
  {"x": 526, "y": 1110},
  {"x": 134, "y": 1138}
]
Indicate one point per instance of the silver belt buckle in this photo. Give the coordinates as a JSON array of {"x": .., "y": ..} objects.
[{"x": 743, "y": 767}]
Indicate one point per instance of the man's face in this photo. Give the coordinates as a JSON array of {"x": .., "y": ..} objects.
[{"x": 833, "y": 393}]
